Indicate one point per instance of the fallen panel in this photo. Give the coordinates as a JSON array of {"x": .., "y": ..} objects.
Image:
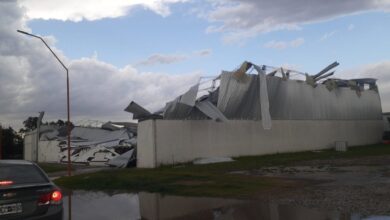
[
  {"x": 189, "y": 97},
  {"x": 111, "y": 127},
  {"x": 97, "y": 134},
  {"x": 264, "y": 102},
  {"x": 213, "y": 160},
  {"x": 177, "y": 110},
  {"x": 137, "y": 110},
  {"x": 211, "y": 111},
  {"x": 87, "y": 155},
  {"x": 122, "y": 160}
]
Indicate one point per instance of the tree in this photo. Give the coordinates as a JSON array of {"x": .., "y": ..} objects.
[
  {"x": 59, "y": 122},
  {"x": 30, "y": 123},
  {"x": 12, "y": 144}
]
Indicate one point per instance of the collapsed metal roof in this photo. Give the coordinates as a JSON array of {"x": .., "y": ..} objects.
[
  {"x": 275, "y": 95},
  {"x": 96, "y": 145}
]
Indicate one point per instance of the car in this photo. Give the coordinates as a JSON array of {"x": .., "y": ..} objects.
[{"x": 26, "y": 192}]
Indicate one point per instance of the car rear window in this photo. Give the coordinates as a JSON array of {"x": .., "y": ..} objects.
[{"x": 21, "y": 174}]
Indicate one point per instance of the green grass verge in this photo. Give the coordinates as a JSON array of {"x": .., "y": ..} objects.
[
  {"x": 53, "y": 167},
  {"x": 167, "y": 181},
  {"x": 209, "y": 179}
]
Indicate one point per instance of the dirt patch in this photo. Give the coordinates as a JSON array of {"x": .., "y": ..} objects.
[
  {"x": 386, "y": 173},
  {"x": 368, "y": 200},
  {"x": 358, "y": 185},
  {"x": 365, "y": 161}
]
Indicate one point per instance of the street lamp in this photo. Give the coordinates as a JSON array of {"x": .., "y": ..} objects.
[{"x": 67, "y": 93}]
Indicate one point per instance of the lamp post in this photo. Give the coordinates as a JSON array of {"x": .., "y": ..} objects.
[
  {"x": 67, "y": 92},
  {"x": 1, "y": 142},
  {"x": 39, "y": 121}
]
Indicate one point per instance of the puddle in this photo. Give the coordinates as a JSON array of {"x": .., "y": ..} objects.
[{"x": 118, "y": 206}]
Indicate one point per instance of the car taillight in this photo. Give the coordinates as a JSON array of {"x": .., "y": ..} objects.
[
  {"x": 50, "y": 198},
  {"x": 56, "y": 196},
  {"x": 6, "y": 182}
]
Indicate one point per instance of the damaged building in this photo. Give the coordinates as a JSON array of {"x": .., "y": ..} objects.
[
  {"x": 257, "y": 110},
  {"x": 113, "y": 144}
]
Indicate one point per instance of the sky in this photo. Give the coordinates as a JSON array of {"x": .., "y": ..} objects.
[{"x": 150, "y": 51}]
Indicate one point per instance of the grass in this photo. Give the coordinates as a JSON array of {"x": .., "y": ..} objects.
[
  {"x": 167, "y": 181},
  {"x": 53, "y": 167},
  {"x": 209, "y": 179}
]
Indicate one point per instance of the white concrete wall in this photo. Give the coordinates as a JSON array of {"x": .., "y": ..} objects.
[
  {"x": 147, "y": 138},
  {"x": 177, "y": 141},
  {"x": 49, "y": 151},
  {"x": 29, "y": 146}
]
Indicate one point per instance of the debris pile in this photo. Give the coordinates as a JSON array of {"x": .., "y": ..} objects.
[{"x": 113, "y": 144}]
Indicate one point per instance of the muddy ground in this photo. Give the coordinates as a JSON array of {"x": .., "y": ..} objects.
[{"x": 349, "y": 185}]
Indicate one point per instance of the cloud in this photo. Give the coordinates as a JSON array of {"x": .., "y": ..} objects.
[
  {"x": 284, "y": 44},
  {"x": 240, "y": 19},
  {"x": 32, "y": 80},
  {"x": 162, "y": 59},
  {"x": 276, "y": 44},
  {"x": 102, "y": 88},
  {"x": 203, "y": 53},
  {"x": 327, "y": 35},
  {"x": 156, "y": 59},
  {"x": 297, "y": 42},
  {"x": 75, "y": 10},
  {"x": 379, "y": 71}
]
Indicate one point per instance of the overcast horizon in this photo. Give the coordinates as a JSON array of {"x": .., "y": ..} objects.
[{"x": 152, "y": 51}]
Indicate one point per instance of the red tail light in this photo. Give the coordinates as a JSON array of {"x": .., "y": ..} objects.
[
  {"x": 6, "y": 182},
  {"x": 56, "y": 196},
  {"x": 53, "y": 198}
]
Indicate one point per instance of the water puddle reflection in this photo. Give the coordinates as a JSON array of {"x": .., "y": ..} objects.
[{"x": 118, "y": 206}]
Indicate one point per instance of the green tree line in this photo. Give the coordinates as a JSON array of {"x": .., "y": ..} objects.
[{"x": 11, "y": 141}]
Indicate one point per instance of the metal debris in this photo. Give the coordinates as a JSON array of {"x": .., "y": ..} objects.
[{"x": 266, "y": 96}]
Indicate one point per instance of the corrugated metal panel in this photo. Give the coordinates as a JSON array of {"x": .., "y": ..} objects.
[
  {"x": 138, "y": 111},
  {"x": 299, "y": 101},
  {"x": 255, "y": 96},
  {"x": 264, "y": 102},
  {"x": 189, "y": 97},
  {"x": 239, "y": 98},
  {"x": 177, "y": 110},
  {"x": 295, "y": 100},
  {"x": 211, "y": 111}
]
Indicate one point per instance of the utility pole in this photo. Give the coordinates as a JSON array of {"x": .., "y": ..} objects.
[
  {"x": 39, "y": 121},
  {"x": 1, "y": 142},
  {"x": 67, "y": 94}
]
